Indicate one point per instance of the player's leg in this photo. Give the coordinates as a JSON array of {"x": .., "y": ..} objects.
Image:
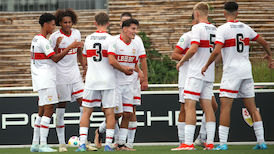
[
  {"x": 132, "y": 128},
  {"x": 109, "y": 102},
  {"x": 181, "y": 121},
  {"x": 60, "y": 125},
  {"x": 48, "y": 97},
  {"x": 36, "y": 130},
  {"x": 247, "y": 93},
  {"x": 77, "y": 94}
]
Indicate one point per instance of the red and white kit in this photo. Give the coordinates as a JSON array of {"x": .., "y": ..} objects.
[
  {"x": 237, "y": 78},
  {"x": 100, "y": 78},
  {"x": 136, "y": 81},
  {"x": 127, "y": 54},
  {"x": 183, "y": 45},
  {"x": 43, "y": 70},
  {"x": 69, "y": 80},
  {"x": 199, "y": 86}
]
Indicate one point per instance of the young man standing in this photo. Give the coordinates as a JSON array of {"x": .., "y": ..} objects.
[
  {"x": 124, "y": 54},
  {"x": 232, "y": 41},
  {"x": 198, "y": 86},
  {"x": 43, "y": 71},
  {"x": 100, "y": 82}
]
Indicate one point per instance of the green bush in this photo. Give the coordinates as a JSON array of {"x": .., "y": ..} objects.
[{"x": 161, "y": 69}]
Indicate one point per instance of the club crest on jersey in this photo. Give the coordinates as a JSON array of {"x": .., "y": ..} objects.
[
  {"x": 247, "y": 117},
  {"x": 50, "y": 98},
  {"x": 133, "y": 51}
]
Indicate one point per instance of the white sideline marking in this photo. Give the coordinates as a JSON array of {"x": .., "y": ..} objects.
[{"x": 144, "y": 144}]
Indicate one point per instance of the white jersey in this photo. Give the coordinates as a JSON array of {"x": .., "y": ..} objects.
[
  {"x": 127, "y": 54},
  {"x": 235, "y": 37},
  {"x": 203, "y": 34},
  {"x": 67, "y": 68},
  {"x": 183, "y": 45},
  {"x": 142, "y": 49},
  {"x": 100, "y": 74},
  {"x": 43, "y": 69}
]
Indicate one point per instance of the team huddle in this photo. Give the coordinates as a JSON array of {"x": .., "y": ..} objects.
[{"x": 115, "y": 71}]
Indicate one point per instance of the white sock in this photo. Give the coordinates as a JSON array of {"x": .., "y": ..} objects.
[
  {"x": 223, "y": 134},
  {"x": 81, "y": 112},
  {"x": 83, "y": 135},
  {"x": 60, "y": 125},
  {"x": 181, "y": 131},
  {"x": 189, "y": 134},
  {"x": 259, "y": 131},
  {"x": 122, "y": 136},
  {"x": 44, "y": 129},
  {"x": 202, "y": 132},
  {"x": 109, "y": 136},
  {"x": 131, "y": 132},
  {"x": 210, "y": 131},
  {"x": 36, "y": 130},
  {"x": 116, "y": 133},
  {"x": 102, "y": 127}
]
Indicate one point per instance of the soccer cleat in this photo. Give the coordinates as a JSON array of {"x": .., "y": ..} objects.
[
  {"x": 129, "y": 145},
  {"x": 179, "y": 148},
  {"x": 187, "y": 147},
  {"x": 260, "y": 146},
  {"x": 98, "y": 139},
  {"x": 90, "y": 147},
  {"x": 108, "y": 148},
  {"x": 63, "y": 148},
  {"x": 81, "y": 148},
  {"x": 199, "y": 142},
  {"x": 46, "y": 148},
  {"x": 34, "y": 148},
  {"x": 221, "y": 147},
  {"x": 209, "y": 146}
]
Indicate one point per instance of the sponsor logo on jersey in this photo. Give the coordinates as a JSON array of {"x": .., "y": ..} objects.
[{"x": 126, "y": 59}]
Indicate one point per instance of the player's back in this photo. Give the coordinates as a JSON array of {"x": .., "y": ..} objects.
[
  {"x": 203, "y": 34},
  {"x": 100, "y": 74},
  {"x": 235, "y": 37}
]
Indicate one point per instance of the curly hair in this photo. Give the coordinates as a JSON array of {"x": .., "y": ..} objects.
[{"x": 59, "y": 14}]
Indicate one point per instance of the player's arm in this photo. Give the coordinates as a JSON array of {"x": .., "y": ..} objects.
[
  {"x": 177, "y": 54},
  {"x": 114, "y": 63},
  {"x": 58, "y": 41},
  {"x": 213, "y": 56},
  {"x": 57, "y": 57},
  {"x": 82, "y": 60},
  {"x": 144, "y": 84},
  {"x": 266, "y": 47},
  {"x": 190, "y": 53}
]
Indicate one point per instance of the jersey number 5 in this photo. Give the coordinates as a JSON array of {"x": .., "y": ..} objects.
[
  {"x": 211, "y": 42},
  {"x": 98, "y": 48},
  {"x": 239, "y": 42}
]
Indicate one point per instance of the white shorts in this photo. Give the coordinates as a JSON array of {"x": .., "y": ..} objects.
[
  {"x": 137, "y": 93},
  {"x": 181, "y": 95},
  {"x": 233, "y": 88},
  {"x": 47, "y": 96},
  {"x": 70, "y": 92},
  {"x": 124, "y": 98},
  {"x": 94, "y": 98},
  {"x": 197, "y": 88}
]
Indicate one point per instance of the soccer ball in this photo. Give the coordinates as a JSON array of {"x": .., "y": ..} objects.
[{"x": 74, "y": 141}]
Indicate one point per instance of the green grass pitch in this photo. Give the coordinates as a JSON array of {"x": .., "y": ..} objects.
[{"x": 233, "y": 149}]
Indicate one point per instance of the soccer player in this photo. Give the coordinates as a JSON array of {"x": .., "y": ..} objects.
[
  {"x": 43, "y": 71},
  {"x": 100, "y": 81},
  {"x": 198, "y": 86},
  {"x": 137, "y": 94},
  {"x": 124, "y": 54},
  {"x": 69, "y": 80},
  {"x": 232, "y": 41}
]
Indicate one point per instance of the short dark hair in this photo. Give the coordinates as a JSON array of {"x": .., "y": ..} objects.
[
  {"x": 46, "y": 17},
  {"x": 128, "y": 22},
  {"x": 231, "y": 6},
  {"x": 125, "y": 14},
  {"x": 101, "y": 18},
  {"x": 60, "y": 14}
]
